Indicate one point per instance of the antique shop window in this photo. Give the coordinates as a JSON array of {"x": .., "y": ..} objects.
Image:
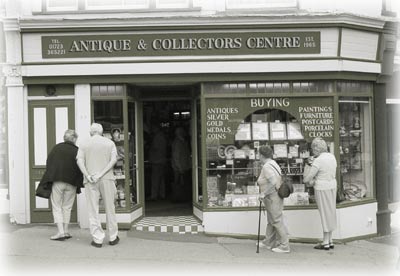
[
  {"x": 393, "y": 115},
  {"x": 199, "y": 185},
  {"x": 133, "y": 168},
  {"x": 355, "y": 133},
  {"x": 354, "y": 87},
  {"x": 236, "y": 128},
  {"x": 313, "y": 87},
  {"x": 110, "y": 114}
]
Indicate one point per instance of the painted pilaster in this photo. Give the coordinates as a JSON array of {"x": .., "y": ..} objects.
[
  {"x": 17, "y": 125},
  {"x": 82, "y": 126},
  {"x": 17, "y": 148}
]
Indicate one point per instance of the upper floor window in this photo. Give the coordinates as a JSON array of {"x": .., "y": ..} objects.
[
  {"x": 93, "y": 5},
  {"x": 257, "y": 4},
  {"x": 165, "y": 4},
  {"x": 116, "y": 4},
  {"x": 62, "y": 5}
]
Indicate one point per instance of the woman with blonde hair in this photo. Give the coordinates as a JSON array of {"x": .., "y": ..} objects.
[{"x": 321, "y": 174}]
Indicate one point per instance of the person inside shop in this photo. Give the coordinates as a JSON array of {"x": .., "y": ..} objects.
[
  {"x": 181, "y": 162},
  {"x": 96, "y": 158},
  {"x": 66, "y": 178},
  {"x": 119, "y": 143},
  {"x": 321, "y": 174},
  {"x": 158, "y": 161},
  {"x": 269, "y": 181}
]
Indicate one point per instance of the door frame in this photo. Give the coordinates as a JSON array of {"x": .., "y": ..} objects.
[
  {"x": 44, "y": 215},
  {"x": 166, "y": 97}
]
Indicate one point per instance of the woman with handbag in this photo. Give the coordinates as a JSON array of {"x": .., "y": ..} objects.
[
  {"x": 65, "y": 178},
  {"x": 276, "y": 237},
  {"x": 321, "y": 174}
]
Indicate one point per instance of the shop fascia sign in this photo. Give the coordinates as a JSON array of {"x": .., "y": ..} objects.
[
  {"x": 315, "y": 116},
  {"x": 182, "y": 44}
]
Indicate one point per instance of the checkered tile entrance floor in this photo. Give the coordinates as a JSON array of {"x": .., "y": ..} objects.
[{"x": 173, "y": 224}]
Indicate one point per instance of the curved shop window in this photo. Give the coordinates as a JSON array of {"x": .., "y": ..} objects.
[
  {"x": 355, "y": 136},
  {"x": 236, "y": 128}
]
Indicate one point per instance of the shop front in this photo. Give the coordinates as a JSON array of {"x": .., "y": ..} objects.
[
  {"x": 240, "y": 117},
  {"x": 231, "y": 90}
]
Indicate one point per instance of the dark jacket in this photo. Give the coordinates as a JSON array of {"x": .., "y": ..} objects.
[{"x": 61, "y": 166}]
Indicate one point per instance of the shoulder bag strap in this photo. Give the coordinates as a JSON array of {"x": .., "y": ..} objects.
[{"x": 274, "y": 168}]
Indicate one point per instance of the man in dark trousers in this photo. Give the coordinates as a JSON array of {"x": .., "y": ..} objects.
[{"x": 66, "y": 178}]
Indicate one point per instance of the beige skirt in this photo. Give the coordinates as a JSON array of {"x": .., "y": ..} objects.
[{"x": 326, "y": 202}]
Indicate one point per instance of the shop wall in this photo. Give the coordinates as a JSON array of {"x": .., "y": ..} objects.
[
  {"x": 353, "y": 222},
  {"x": 359, "y": 44}
]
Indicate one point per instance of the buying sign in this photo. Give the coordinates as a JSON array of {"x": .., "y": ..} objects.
[
  {"x": 226, "y": 117},
  {"x": 182, "y": 44}
]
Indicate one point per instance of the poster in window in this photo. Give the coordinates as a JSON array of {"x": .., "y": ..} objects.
[
  {"x": 278, "y": 131},
  {"x": 243, "y": 132},
  {"x": 280, "y": 150},
  {"x": 294, "y": 151},
  {"x": 260, "y": 131},
  {"x": 294, "y": 131}
]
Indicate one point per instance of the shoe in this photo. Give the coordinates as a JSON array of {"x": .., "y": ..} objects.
[
  {"x": 67, "y": 236},
  {"x": 114, "y": 242},
  {"x": 322, "y": 246},
  {"x": 331, "y": 245},
  {"x": 95, "y": 244},
  {"x": 280, "y": 249},
  {"x": 58, "y": 237},
  {"x": 263, "y": 245}
]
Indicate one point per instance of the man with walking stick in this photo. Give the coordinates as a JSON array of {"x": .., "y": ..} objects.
[{"x": 276, "y": 237}]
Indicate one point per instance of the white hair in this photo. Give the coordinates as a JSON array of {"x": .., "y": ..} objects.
[
  {"x": 70, "y": 135},
  {"x": 318, "y": 146},
  {"x": 96, "y": 128}
]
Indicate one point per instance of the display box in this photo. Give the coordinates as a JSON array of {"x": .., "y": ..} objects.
[
  {"x": 278, "y": 131},
  {"x": 260, "y": 131},
  {"x": 243, "y": 132},
  {"x": 294, "y": 131}
]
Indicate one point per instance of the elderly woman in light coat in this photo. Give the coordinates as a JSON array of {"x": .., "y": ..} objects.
[{"x": 321, "y": 174}]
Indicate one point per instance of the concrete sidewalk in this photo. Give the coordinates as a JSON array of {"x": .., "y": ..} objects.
[{"x": 28, "y": 249}]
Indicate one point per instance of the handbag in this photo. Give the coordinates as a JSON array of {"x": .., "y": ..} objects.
[
  {"x": 286, "y": 188},
  {"x": 44, "y": 189}
]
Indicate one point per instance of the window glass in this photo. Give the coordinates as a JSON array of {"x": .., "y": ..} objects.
[
  {"x": 393, "y": 115},
  {"x": 133, "y": 169},
  {"x": 116, "y": 4},
  {"x": 199, "y": 154},
  {"x": 62, "y": 5},
  {"x": 255, "y": 4},
  {"x": 172, "y": 4},
  {"x": 236, "y": 128},
  {"x": 110, "y": 115},
  {"x": 355, "y": 148},
  {"x": 107, "y": 90},
  {"x": 354, "y": 86}
]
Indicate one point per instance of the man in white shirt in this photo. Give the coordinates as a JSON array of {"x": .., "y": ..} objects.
[{"x": 96, "y": 158}]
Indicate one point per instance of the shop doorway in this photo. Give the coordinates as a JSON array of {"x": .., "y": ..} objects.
[
  {"x": 167, "y": 157},
  {"x": 48, "y": 121}
]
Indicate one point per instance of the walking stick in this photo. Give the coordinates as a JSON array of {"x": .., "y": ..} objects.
[{"x": 259, "y": 223}]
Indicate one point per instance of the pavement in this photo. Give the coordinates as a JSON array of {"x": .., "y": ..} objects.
[{"x": 27, "y": 249}]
